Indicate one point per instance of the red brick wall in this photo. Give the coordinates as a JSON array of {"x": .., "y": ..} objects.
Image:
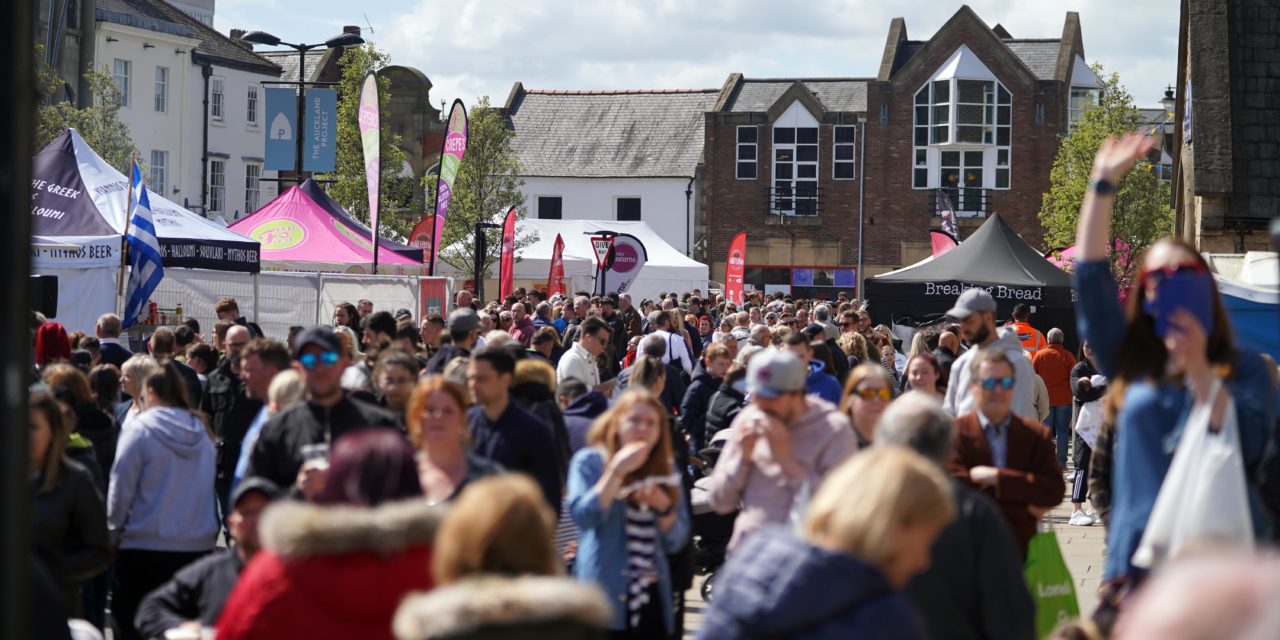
[{"x": 894, "y": 212}]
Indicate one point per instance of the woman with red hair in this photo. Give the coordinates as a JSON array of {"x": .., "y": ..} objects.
[{"x": 52, "y": 344}]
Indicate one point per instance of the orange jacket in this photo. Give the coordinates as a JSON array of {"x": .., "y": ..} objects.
[{"x": 1032, "y": 340}]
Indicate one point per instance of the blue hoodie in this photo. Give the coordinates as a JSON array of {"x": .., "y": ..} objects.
[
  {"x": 776, "y": 585},
  {"x": 161, "y": 494},
  {"x": 823, "y": 385}
]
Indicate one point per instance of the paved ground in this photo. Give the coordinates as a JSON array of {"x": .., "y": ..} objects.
[{"x": 1083, "y": 548}]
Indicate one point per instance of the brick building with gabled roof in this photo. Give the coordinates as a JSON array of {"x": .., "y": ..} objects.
[{"x": 971, "y": 117}]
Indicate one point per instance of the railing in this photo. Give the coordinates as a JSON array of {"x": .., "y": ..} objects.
[
  {"x": 965, "y": 202},
  {"x": 801, "y": 200}
]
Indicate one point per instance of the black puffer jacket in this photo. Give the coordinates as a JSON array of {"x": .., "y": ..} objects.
[
  {"x": 232, "y": 412},
  {"x": 697, "y": 399},
  {"x": 537, "y": 399},
  {"x": 724, "y": 407}
]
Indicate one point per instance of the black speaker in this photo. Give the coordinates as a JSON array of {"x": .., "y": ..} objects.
[{"x": 44, "y": 295}]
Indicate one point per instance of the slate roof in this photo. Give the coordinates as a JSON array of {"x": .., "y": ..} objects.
[
  {"x": 836, "y": 94},
  {"x": 1040, "y": 56},
  {"x": 288, "y": 61},
  {"x": 609, "y": 134},
  {"x": 160, "y": 16}
]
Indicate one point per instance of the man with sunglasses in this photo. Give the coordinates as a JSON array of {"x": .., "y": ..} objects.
[
  {"x": 1009, "y": 458},
  {"x": 579, "y": 362},
  {"x": 327, "y": 414},
  {"x": 975, "y": 309}
]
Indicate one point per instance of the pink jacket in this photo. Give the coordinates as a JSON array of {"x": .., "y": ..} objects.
[{"x": 821, "y": 438}]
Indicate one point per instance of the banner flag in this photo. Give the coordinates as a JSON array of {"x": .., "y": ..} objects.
[
  {"x": 320, "y": 131},
  {"x": 507, "y": 271},
  {"x": 420, "y": 236},
  {"x": 555, "y": 279},
  {"x": 146, "y": 270},
  {"x": 625, "y": 261},
  {"x": 948, "y": 214},
  {"x": 455, "y": 146},
  {"x": 281, "y": 145},
  {"x": 370, "y": 137},
  {"x": 942, "y": 242},
  {"x": 734, "y": 268}
]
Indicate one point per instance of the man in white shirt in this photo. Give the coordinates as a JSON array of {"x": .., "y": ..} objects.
[
  {"x": 580, "y": 361},
  {"x": 677, "y": 350}
]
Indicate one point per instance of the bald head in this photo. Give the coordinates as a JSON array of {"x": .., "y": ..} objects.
[
  {"x": 237, "y": 337},
  {"x": 949, "y": 340}
]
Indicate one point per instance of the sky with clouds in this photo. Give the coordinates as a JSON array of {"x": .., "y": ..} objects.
[{"x": 470, "y": 48}]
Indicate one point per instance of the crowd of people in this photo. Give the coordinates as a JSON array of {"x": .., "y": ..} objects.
[{"x": 562, "y": 466}]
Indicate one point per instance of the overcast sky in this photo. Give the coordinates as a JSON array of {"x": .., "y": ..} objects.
[{"x": 470, "y": 48}]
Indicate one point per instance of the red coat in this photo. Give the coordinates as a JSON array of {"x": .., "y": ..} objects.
[
  {"x": 1031, "y": 477},
  {"x": 331, "y": 572},
  {"x": 1053, "y": 364}
]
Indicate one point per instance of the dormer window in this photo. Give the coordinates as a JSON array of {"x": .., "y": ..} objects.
[
  {"x": 1085, "y": 91},
  {"x": 962, "y": 127}
]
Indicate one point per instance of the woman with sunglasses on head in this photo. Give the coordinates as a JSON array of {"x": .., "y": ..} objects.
[
  {"x": 866, "y": 394},
  {"x": 1171, "y": 350}
]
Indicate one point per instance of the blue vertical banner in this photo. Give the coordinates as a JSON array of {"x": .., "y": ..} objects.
[
  {"x": 320, "y": 130},
  {"x": 281, "y": 144}
]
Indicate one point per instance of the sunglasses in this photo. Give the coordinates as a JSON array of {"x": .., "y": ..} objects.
[
  {"x": 326, "y": 359},
  {"x": 881, "y": 394},
  {"x": 846, "y": 324},
  {"x": 989, "y": 384},
  {"x": 1156, "y": 275}
]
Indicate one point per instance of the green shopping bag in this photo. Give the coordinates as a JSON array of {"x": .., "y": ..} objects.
[{"x": 1050, "y": 583}]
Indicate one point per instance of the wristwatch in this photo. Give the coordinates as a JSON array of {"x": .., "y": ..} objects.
[{"x": 1102, "y": 187}]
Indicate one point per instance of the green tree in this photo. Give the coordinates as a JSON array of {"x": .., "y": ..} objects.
[
  {"x": 487, "y": 184},
  {"x": 350, "y": 188},
  {"x": 1142, "y": 212},
  {"x": 99, "y": 124}
]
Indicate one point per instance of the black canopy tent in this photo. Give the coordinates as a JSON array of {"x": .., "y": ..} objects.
[{"x": 994, "y": 258}]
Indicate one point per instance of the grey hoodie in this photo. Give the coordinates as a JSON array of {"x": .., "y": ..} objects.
[
  {"x": 161, "y": 496},
  {"x": 960, "y": 401}
]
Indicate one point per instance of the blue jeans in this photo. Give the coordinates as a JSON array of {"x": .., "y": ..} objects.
[{"x": 1060, "y": 425}]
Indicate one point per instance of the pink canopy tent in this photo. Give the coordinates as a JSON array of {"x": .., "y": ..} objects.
[
  {"x": 297, "y": 234},
  {"x": 1066, "y": 258}
]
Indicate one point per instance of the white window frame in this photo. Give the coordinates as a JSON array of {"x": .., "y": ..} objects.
[
  {"x": 217, "y": 185},
  {"x": 852, "y": 146},
  {"x": 159, "y": 170},
  {"x": 121, "y": 69},
  {"x": 617, "y": 203},
  {"x": 162, "y": 90},
  {"x": 217, "y": 98},
  {"x": 940, "y": 135},
  {"x": 1075, "y": 108},
  {"x": 740, "y": 147},
  {"x": 797, "y": 119},
  {"x": 252, "y": 105},
  {"x": 252, "y": 187}
]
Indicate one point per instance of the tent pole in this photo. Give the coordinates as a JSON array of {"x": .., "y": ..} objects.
[
  {"x": 124, "y": 239},
  {"x": 256, "y": 299}
]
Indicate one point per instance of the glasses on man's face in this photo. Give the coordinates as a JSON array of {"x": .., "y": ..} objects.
[
  {"x": 1005, "y": 383},
  {"x": 324, "y": 359},
  {"x": 879, "y": 393},
  {"x": 846, "y": 325}
]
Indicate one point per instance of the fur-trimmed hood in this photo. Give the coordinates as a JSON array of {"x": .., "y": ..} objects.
[
  {"x": 503, "y": 607},
  {"x": 299, "y": 529}
]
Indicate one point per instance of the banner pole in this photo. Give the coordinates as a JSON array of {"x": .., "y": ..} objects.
[{"x": 124, "y": 240}]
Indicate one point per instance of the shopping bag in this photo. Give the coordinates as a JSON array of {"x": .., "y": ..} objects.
[
  {"x": 1050, "y": 583},
  {"x": 1089, "y": 422},
  {"x": 1203, "y": 501}
]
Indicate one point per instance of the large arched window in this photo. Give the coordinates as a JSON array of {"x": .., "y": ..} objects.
[{"x": 962, "y": 128}]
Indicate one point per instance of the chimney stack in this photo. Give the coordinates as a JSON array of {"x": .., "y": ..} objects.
[
  {"x": 352, "y": 29},
  {"x": 237, "y": 36}
]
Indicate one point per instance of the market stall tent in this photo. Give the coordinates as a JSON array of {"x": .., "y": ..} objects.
[
  {"x": 666, "y": 270},
  {"x": 78, "y": 210},
  {"x": 298, "y": 234},
  {"x": 995, "y": 258},
  {"x": 322, "y": 199}
]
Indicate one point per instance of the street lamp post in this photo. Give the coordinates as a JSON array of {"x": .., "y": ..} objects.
[{"x": 266, "y": 39}]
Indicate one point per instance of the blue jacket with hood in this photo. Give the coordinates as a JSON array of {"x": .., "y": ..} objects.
[{"x": 779, "y": 586}]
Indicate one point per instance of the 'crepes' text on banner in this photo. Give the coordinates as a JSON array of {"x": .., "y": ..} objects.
[{"x": 455, "y": 147}]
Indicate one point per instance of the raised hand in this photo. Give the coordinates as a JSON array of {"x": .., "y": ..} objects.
[{"x": 1117, "y": 155}]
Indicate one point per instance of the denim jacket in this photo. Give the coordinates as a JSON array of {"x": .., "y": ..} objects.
[
  {"x": 602, "y": 540},
  {"x": 1150, "y": 421}
]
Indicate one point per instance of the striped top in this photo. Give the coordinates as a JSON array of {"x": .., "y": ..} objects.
[{"x": 642, "y": 550}]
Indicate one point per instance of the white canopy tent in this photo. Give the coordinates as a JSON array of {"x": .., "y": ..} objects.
[{"x": 666, "y": 270}]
